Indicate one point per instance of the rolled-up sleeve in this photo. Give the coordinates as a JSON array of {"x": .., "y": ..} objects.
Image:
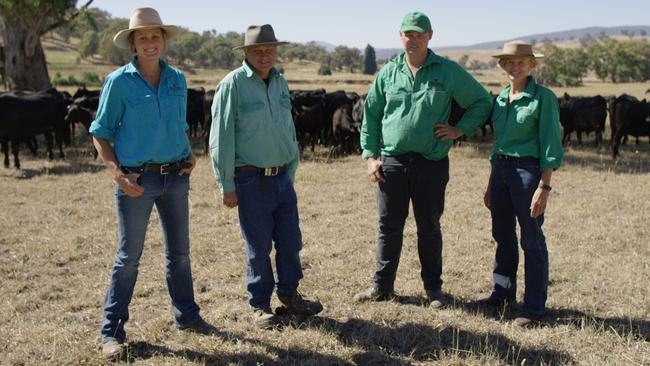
[
  {"x": 550, "y": 141},
  {"x": 373, "y": 113},
  {"x": 222, "y": 134},
  {"x": 110, "y": 111}
]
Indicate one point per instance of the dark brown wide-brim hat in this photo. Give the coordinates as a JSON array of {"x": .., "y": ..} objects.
[
  {"x": 143, "y": 18},
  {"x": 517, "y": 48},
  {"x": 260, "y": 35}
]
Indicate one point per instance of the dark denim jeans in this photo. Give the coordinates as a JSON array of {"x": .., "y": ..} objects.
[
  {"x": 512, "y": 185},
  {"x": 169, "y": 193},
  {"x": 411, "y": 178},
  {"x": 268, "y": 214}
]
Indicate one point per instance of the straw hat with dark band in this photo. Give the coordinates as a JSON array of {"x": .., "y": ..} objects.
[
  {"x": 517, "y": 48},
  {"x": 143, "y": 18},
  {"x": 260, "y": 35}
]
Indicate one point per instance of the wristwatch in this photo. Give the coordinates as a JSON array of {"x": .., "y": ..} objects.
[{"x": 545, "y": 186}]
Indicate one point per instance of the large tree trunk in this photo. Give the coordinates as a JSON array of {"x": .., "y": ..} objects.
[{"x": 24, "y": 63}]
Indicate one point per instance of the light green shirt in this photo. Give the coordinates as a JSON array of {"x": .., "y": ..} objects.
[
  {"x": 251, "y": 125},
  {"x": 528, "y": 126},
  {"x": 400, "y": 110}
]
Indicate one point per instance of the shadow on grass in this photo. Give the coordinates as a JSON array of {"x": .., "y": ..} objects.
[
  {"x": 74, "y": 167},
  {"x": 385, "y": 345},
  {"x": 636, "y": 328},
  {"x": 295, "y": 355}
]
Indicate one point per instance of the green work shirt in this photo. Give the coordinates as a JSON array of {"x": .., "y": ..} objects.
[
  {"x": 528, "y": 126},
  {"x": 251, "y": 125},
  {"x": 400, "y": 110}
]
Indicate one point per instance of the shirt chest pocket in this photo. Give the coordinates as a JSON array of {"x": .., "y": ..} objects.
[
  {"x": 250, "y": 115},
  {"x": 173, "y": 104},
  {"x": 525, "y": 116},
  {"x": 143, "y": 108},
  {"x": 436, "y": 99}
]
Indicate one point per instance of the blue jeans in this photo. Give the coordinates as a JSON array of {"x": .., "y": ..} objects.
[
  {"x": 169, "y": 193},
  {"x": 268, "y": 214},
  {"x": 411, "y": 178},
  {"x": 512, "y": 185}
]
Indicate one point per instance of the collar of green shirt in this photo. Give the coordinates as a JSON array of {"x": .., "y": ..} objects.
[
  {"x": 528, "y": 92},
  {"x": 250, "y": 72},
  {"x": 432, "y": 58}
]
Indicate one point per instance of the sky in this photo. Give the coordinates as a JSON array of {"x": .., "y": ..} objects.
[{"x": 357, "y": 23}]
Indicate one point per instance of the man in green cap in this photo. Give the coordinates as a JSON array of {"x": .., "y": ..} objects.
[{"x": 405, "y": 139}]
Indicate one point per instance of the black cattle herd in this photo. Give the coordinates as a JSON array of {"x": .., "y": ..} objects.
[{"x": 327, "y": 119}]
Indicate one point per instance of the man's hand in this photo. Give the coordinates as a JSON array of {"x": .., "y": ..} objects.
[
  {"x": 446, "y": 132},
  {"x": 230, "y": 199},
  {"x": 374, "y": 170}
]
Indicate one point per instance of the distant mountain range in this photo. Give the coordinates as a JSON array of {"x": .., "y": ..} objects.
[{"x": 567, "y": 35}]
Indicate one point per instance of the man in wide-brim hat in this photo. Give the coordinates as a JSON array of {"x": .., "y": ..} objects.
[{"x": 254, "y": 156}]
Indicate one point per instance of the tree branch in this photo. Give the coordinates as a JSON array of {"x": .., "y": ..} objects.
[{"x": 64, "y": 20}]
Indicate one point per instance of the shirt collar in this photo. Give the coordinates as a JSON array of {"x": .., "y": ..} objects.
[
  {"x": 528, "y": 92},
  {"x": 250, "y": 72},
  {"x": 132, "y": 67},
  {"x": 432, "y": 58}
]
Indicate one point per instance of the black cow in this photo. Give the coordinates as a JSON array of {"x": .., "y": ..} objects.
[
  {"x": 24, "y": 115},
  {"x": 207, "y": 120},
  {"x": 611, "y": 106},
  {"x": 83, "y": 92},
  {"x": 77, "y": 114},
  {"x": 345, "y": 129},
  {"x": 632, "y": 118},
  {"x": 195, "y": 109},
  {"x": 583, "y": 114},
  {"x": 86, "y": 102}
]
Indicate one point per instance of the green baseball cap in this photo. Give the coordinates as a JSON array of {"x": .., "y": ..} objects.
[{"x": 416, "y": 22}]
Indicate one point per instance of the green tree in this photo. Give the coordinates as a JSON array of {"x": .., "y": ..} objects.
[
  {"x": 89, "y": 44},
  {"x": 369, "y": 61},
  {"x": 462, "y": 60},
  {"x": 107, "y": 49},
  {"x": 344, "y": 56},
  {"x": 22, "y": 23},
  {"x": 562, "y": 67}
]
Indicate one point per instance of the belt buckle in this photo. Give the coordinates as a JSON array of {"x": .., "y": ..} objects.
[
  {"x": 269, "y": 172},
  {"x": 165, "y": 169}
]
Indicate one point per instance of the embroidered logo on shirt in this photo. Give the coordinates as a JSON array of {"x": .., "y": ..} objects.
[{"x": 175, "y": 87}]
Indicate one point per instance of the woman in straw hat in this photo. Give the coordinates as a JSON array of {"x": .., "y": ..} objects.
[
  {"x": 140, "y": 133},
  {"x": 526, "y": 150}
]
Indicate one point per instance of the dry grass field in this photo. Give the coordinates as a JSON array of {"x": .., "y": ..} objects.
[{"x": 57, "y": 244}]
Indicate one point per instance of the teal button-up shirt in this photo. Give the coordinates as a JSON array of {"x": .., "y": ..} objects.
[
  {"x": 145, "y": 125},
  {"x": 400, "y": 110},
  {"x": 251, "y": 125},
  {"x": 528, "y": 126}
]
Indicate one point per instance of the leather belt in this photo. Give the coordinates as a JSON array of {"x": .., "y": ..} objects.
[
  {"x": 162, "y": 169},
  {"x": 266, "y": 172},
  {"x": 515, "y": 158}
]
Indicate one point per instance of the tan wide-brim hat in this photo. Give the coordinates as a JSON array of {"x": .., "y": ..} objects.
[
  {"x": 260, "y": 35},
  {"x": 143, "y": 18},
  {"x": 517, "y": 48}
]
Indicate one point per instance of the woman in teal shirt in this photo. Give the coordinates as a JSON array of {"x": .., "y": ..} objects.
[
  {"x": 140, "y": 133},
  {"x": 527, "y": 149}
]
